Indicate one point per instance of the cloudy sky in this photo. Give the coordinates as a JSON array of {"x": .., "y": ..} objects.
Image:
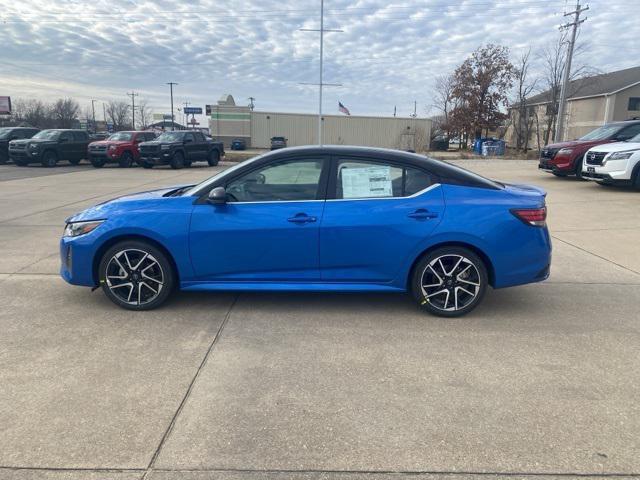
[{"x": 388, "y": 54}]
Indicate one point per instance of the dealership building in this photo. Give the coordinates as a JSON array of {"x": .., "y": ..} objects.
[{"x": 228, "y": 121}]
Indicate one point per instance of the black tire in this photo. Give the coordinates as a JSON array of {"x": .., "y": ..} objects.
[
  {"x": 126, "y": 160},
  {"x": 3, "y": 161},
  {"x": 177, "y": 161},
  {"x": 466, "y": 280},
  {"x": 578, "y": 171},
  {"x": 97, "y": 162},
  {"x": 187, "y": 164},
  {"x": 155, "y": 269},
  {"x": 214, "y": 158},
  {"x": 147, "y": 165},
  {"x": 636, "y": 180},
  {"x": 49, "y": 159},
  {"x": 75, "y": 161}
]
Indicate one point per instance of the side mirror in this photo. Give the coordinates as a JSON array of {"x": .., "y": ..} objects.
[{"x": 217, "y": 196}]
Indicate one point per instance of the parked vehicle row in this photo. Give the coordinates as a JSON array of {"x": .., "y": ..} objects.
[
  {"x": 607, "y": 155},
  {"x": 178, "y": 149}
]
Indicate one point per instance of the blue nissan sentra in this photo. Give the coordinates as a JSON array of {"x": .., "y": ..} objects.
[{"x": 336, "y": 218}]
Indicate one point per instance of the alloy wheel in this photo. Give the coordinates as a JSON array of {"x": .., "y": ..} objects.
[
  {"x": 134, "y": 276},
  {"x": 450, "y": 282}
]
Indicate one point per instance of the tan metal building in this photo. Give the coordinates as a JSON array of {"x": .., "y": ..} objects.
[
  {"x": 228, "y": 121},
  {"x": 592, "y": 102}
]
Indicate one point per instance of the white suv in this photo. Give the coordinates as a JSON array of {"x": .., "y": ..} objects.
[{"x": 614, "y": 163}]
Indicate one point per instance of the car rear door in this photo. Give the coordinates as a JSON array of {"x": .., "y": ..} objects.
[
  {"x": 380, "y": 213},
  {"x": 269, "y": 228}
]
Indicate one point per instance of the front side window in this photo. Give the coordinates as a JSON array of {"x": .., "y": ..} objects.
[
  {"x": 364, "y": 179},
  {"x": 283, "y": 181},
  {"x": 66, "y": 136},
  {"x": 79, "y": 136},
  {"x": 189, "y": 137}
]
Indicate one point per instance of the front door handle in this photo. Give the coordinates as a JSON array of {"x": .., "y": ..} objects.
[
  {"x": 422, "y": 214},
  {"x": 301, "y": 218}
]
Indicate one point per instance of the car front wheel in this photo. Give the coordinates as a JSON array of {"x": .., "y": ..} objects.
[
  {"x": 449, "y": 281},
  {"x": 136, "y": 275},
  {"x": 214, "y": 158},
  {"x": 177, "y": 162}
]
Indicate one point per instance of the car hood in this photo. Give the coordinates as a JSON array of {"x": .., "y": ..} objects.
[
  {"x": 110, "y": 142},
  {"x": 124, "y": 203},
  {"x": 617, "y": 147},
  {"x": 575, "y": 143}
]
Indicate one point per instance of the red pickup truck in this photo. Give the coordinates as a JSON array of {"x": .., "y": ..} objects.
[
  {"x": 565, "y": 158},
  {"x": 121, "y": 148}
]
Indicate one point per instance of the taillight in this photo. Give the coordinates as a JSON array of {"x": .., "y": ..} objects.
[{"x": 531, "y": 216}]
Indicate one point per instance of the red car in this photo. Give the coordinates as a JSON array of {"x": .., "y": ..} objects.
[
  {"x": 121, "y": 148},
  {"x": 565, "y": 158}
]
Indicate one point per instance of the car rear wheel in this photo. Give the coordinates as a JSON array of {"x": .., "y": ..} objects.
[
  {"x": 126, "y": 160},
  {"x": 449, "y": 281},
  {"x": 49, "y": 160},
  {"x": 214, "y": 158},
  {"x": 136, "y": 275},
  {"x": 177, "y": 162}
]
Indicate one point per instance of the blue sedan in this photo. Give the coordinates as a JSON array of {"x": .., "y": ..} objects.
[{"x": 347, "y": 219}]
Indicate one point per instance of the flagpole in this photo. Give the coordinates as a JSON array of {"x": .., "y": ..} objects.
[{"x": 321, "y": 62}]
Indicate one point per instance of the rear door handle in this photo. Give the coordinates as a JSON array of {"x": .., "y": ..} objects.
[
  {"x": 422, "y": 214},
  {"x": 301, "y": 218}
]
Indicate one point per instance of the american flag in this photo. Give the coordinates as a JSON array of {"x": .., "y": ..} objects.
[{"x": 343, "y": 109}]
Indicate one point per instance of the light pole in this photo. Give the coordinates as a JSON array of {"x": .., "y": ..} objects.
[
  {"x": 173, "y": 123},
  {"x": 93, "y": 109},
  {"x": 133, "y": 96}
]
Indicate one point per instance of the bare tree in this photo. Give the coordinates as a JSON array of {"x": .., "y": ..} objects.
[
  {"x": 444, "y": 100},
  {"x": 119, "y": 115},
  {"x": 524, "y": 113},
  {"x": 33, "y": 112},
  {"x": 144, "y": 114},
  {"x": 553, "y": 59},
  {"x": 64, "y": 112}
]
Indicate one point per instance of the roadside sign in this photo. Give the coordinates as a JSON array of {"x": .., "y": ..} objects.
[
  {"x": 193, "y": 110},
  {"x": 5, "y": 105},
  {"x": 207, "y": 109}
]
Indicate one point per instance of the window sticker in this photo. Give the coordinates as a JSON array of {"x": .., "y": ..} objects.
[{"x": 366, "y": 182}]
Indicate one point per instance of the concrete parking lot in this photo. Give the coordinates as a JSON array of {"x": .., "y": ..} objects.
[{"x": 541, "y": 380}]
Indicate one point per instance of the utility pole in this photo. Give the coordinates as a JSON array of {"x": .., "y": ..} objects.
[
  {"x": 93, "y": 109},
  {"x": 394, "y": 110},
  {"x": 415, "y": 109},
  {"x": 173, "y": 122},
  {"x": 567, "y": 67},
  {"x": 320, "y": 84},
  {"x": 251, "y": 105},
  {"x": 133, "y": 96},
  {"x": 186, "y": 115}
]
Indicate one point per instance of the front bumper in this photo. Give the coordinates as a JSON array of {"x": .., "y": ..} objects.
[
  {"x": 558, "y": 164},
  {"x": 158, "y": 159},
  {"x": 25, "y": 156},
  {"x": 76, "y": 259}
]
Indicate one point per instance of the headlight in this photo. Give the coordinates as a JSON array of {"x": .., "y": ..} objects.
[
  {"x": 165, "y": 147},
  {"x": 33, "y": 146},
  {"x": 565, "y": 151},
  {"x": 75, "y": 229},
  {"x": 622, "y": 155},
  {"x": 112, "y": 147}
]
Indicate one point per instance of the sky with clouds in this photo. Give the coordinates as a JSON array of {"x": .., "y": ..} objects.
[{"x": 387, "y": 55}]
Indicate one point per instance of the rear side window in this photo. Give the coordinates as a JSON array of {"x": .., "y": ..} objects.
[
  {"x": 368, "y": 179},
  {"x": 79, "y": 136},
  {"x": 199, "y": 137}
]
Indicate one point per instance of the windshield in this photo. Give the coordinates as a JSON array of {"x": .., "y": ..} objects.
[
  {"x": 635, "y": 139},
  {"x": 169, "y": 137},
  {"x": 603, "y": 133},
  {"x": 47, "y": 134},
  {"x": 121, "y": 137},
  {"x": 4, "y": 132}
]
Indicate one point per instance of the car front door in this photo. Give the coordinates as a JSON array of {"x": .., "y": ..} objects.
[
  {"x": 269, "y": 228},
  {"x": 80, "y": 145},
  {"x": 202, "y": 145},
  {"x": 380, "y": 213},
  {"x": 66, "y": 146},
  {"x": 190, "y": 147}
]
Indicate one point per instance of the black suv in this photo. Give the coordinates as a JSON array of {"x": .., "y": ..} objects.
[
  {"x": 50, "y": 146},
  {"x": 13, "y": 133},
  {"x": 180, "y": 149}
]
